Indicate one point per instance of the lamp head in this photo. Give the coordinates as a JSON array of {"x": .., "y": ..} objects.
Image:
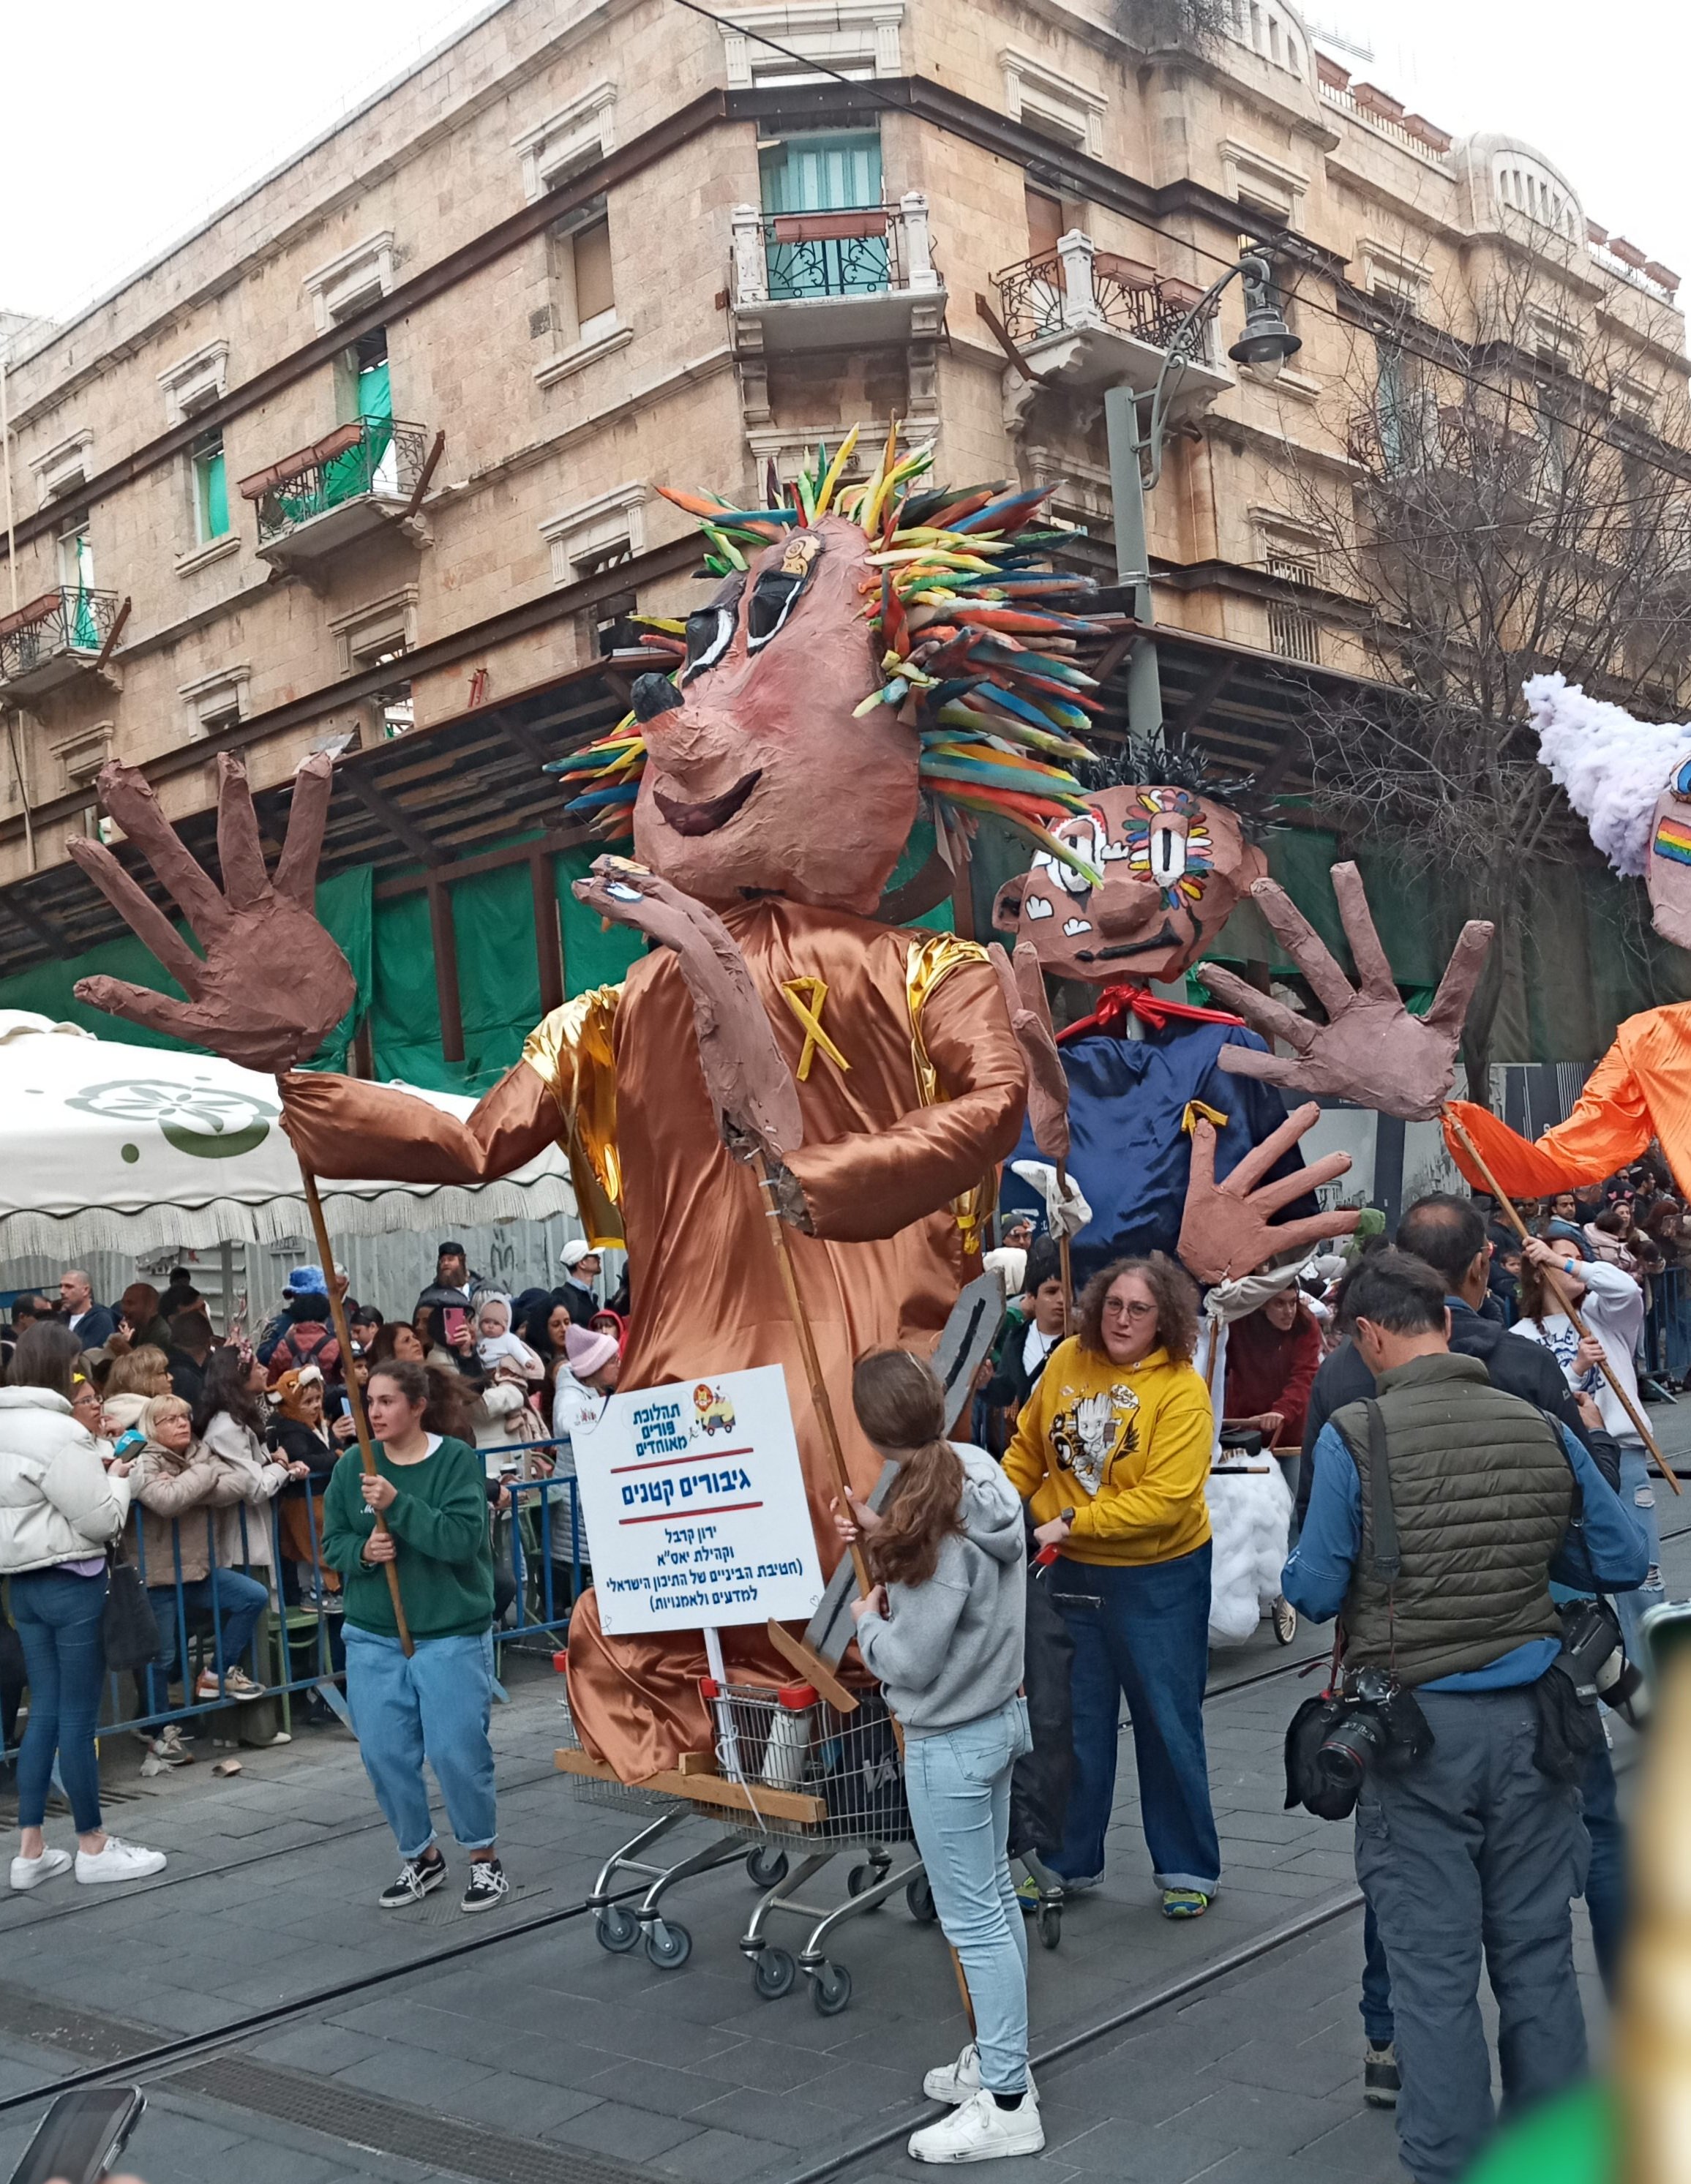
[{"x": 1267, "y": 341}]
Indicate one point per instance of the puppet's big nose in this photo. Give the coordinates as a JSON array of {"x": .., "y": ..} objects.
[{"x": 1124, "y": 907}]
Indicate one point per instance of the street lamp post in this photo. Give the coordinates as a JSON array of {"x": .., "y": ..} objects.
[{"x": 1136, "y": 457}]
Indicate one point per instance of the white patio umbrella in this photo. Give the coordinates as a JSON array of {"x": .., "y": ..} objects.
[{"x": 118, "y": 1148}]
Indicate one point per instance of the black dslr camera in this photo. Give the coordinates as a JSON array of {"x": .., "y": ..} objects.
[{"x": 1367, "y": 1720}]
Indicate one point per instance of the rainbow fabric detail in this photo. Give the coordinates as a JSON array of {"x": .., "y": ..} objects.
[
  {"x": 1673, "y": 841},
  {"x": 977, "y": 656}
]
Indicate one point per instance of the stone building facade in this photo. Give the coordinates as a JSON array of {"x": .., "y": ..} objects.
[{"x": 376, "y": 450}]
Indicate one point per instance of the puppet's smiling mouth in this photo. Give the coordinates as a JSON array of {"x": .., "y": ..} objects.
[
  {"x": 1168, "y": 937},
  {"x": 716, "y": 811}
]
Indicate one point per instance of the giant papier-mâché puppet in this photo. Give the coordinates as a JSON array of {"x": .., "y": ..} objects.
[
  {"x": 1630, "y": 780},
  {"x": 861, "y": 650},
  {"x": 1155, "y": 868}
]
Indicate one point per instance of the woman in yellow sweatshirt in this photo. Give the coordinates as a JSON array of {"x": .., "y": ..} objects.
[{"x": 1110, "y": 1453}]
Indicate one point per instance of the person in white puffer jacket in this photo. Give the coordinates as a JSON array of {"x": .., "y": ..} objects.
[{"x": 61, "y": 1507}]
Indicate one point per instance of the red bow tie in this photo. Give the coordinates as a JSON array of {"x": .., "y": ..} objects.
[{"x": 1116, "y": 1003}]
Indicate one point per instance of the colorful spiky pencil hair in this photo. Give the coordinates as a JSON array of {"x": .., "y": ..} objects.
[{"x": 973, "y": 641}]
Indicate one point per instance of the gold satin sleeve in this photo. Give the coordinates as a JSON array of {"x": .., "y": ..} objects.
[
  {"x": 571, "y": 1052},
  {"x": 970, "y": 1084}
]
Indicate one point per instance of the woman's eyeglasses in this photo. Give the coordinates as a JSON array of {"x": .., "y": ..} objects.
[{"x": 1116, "y": 1309}]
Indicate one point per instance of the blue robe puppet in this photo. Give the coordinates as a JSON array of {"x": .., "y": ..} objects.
[{"x": 1171, "y": 1152}]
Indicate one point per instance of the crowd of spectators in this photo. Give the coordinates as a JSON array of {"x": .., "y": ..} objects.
[{"x": 224, "y": 1443}]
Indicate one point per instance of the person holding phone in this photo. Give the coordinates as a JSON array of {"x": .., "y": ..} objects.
[
  {"x": 61, "y": 1507},
  {"x": 435, "y": 1704}
]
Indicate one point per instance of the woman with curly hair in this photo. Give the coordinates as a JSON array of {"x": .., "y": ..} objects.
[{"x": 1112, "y": 1450}]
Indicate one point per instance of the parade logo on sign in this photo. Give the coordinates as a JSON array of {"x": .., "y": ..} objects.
[{"x": 695, "y": 1503}]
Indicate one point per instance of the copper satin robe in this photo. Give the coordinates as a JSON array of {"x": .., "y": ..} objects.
[
  {"x": 1641, "y": 1089},
  {"x": 931, "y": 1099}
]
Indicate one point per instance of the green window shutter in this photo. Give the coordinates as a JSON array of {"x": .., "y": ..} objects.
[
  {"x": 375, "y": 392},
  {"x": 216, "y": 497},
  {"x": 822, "y": 173}
]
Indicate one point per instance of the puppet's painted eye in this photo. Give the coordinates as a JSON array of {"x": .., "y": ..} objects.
[
  {"x": 1168, "y": 854},
  {"x": 776, "y": 591},
  {"x": 710, "y": 631},
  {"x": 1681, "y": 784},
  {"x": 1080, "y": 835}
]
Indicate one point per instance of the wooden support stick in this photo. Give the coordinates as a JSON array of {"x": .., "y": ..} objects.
[
  {"x": 819, "y": 1387},
  {"x": 355, "y": 1394},
  {"x": 1552, "y": 1282},
  {"x": 831, "y": 1434},
  {"x": 1062, "y": 1258}
]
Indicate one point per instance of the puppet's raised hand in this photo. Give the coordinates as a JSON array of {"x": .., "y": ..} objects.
[
  {"x": 1226, "y": 1230},
  {"x": 750, "y": 1087},
  {"x": 1023, "y": 986},
  {"x": 1371, "y": 1049},
  {"x": 271, "y": 984}
]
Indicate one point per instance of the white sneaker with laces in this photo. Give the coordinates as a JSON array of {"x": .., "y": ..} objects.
[
  {"x": 954, "y": 2083},
  {"x": 31, "y": 1872},
  {"x": 118, "y": 1861},
  {"x": 980, "y": 2130}
]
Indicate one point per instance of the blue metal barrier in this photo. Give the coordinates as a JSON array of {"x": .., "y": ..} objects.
[
  {"x": 1667, "y": 1327},
  {"x": 303, "y": 1635}
]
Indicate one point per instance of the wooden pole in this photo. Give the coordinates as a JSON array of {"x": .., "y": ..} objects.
[
  {"x": 831, "y": 1434},
  {"x": 1553, "y": 1282},
  {"x": 818, "y": 1388},
  {"x": 355, "y": 1394},
  {"x": 1062, "y": 1258}
]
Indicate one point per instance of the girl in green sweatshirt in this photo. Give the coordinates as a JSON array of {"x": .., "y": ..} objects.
[{"x": 436, "y": 1704}]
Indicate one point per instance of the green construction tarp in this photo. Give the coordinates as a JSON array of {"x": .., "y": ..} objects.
[
  {"x": 343, "y": 906},
  {"x": 498, "y": 977}
]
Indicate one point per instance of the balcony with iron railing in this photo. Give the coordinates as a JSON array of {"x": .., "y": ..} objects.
[
  {"x": 360, "y": 477},
  {"x": 54, "y": 637},
  {"x": 832, "y": 279},
  {"x": 1090, "y": 317}
]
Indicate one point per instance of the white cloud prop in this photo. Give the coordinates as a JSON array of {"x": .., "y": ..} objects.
[{"x": 1612, "y": 766}]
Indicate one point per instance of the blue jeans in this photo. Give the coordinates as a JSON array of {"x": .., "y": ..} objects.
[
  {"x": 239, "y": 1602},
  {"x": 1605, "y": 1902},
  {"x": 958, "y": 1785},
  {"x": 435, "y": 1707},
  {"x": 1140, "y": 1630},
  {"x": 58, "y": 1618},
  {"x": 1637, "y": 1491}
]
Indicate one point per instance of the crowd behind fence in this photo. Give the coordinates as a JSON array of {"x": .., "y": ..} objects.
[{"x": 296, "y": 1650}]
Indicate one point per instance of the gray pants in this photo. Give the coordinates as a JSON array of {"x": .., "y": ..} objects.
[{"x": 1474, "y": 1850}]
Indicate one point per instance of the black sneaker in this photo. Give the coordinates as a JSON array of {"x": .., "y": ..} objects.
[
  {"x": 487, "y": 1885},
  {"x": 416, "y": 1878},
  {"x": 1379, "y": 2076}
]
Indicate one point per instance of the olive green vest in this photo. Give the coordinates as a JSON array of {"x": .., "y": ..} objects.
[{"x": 1483, "y": 1493}]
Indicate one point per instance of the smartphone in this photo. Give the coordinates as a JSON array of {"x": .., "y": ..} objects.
[
  {"x": 81, "y": 2136},
  {"x": 456, "y": 1320}
]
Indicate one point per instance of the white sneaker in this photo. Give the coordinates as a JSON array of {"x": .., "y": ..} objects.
[
  {"x": 956, "y": 2082},
  {"x": 31, "y": 1872},
  {"x": 118, "y": 1861},
  {"x": 980, "y": 2130}
]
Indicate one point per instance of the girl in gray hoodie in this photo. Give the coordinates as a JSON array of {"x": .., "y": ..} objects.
[{"x": 942, "y": 1629}]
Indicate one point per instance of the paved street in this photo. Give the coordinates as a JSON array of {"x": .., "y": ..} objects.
[{"x": 537, "y": 2057}]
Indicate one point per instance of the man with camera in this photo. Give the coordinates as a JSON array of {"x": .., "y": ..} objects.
[
  {"x": 1440, "y": 1509},
  {"x": 1449, "y": 1233}
]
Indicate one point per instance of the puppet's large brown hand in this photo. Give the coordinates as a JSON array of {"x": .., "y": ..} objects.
[
  {"x": 271, "y": 984},
  {"x": 1371, "y": 1049},
  {"x": 750, "y": 1087},
  {"x": 1023, "y": 986},
  {"x": 1226, "y": 1231}
]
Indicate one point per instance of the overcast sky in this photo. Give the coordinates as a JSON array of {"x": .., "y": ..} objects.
[{"x": 159, "y": 111}]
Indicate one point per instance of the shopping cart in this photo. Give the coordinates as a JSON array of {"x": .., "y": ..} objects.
[
  {"x": 618, "y": 1925},
  {"x": 796, "y": 1783}
]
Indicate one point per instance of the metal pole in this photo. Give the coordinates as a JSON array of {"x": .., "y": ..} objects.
[
  {"x": 6, "y": 465},
  {"x": 1133, "y": 557}
]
